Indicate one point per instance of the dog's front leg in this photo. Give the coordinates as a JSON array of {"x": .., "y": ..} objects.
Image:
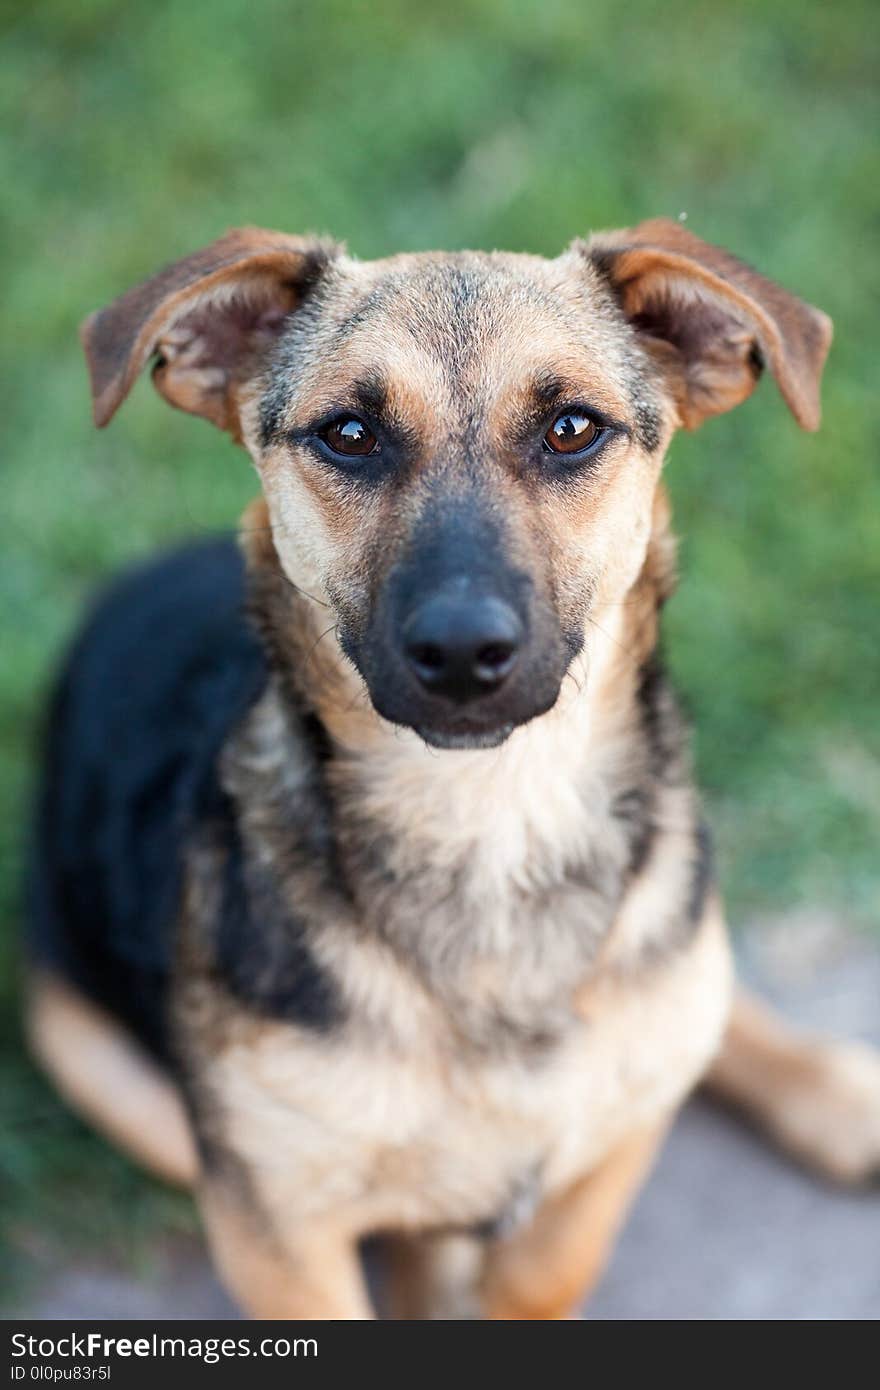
[
  {"x": 544, "y": 1270},
  {"x": 315, "y": 1273},
  {"x": 434, "y": 1276}
]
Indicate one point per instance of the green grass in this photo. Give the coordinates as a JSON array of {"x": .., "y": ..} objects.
[{"x": 132, "y": 134}]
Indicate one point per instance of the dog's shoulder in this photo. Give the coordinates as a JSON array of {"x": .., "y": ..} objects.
[{"x": 260, "y": 868}]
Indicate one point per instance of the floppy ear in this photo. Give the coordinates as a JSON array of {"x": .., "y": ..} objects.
[
  {"x": 712, "y": 322},
  {"x": 210, "y": 318}
]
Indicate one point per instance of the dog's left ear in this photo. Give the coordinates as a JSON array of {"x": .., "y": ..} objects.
[
  {"x": 209, "y": 320},
  {"x": 711, "y": 321}
]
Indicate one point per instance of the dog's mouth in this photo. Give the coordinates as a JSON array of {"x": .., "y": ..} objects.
[
  {"x": 464, "y": 738},
  {"x": 468, "y": 730}
]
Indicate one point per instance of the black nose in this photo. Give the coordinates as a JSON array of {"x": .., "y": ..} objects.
[{"x": 462, "y": 647}]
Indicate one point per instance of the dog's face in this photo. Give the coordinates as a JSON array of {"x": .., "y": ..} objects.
[{"x": 460, "y": 452}]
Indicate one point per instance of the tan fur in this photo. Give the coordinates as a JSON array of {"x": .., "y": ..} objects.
[
  {"x": 315, "y": 1275},
  {"x": 396, "y": 1132},
  {"x": 101, "y": 1071},
  {"x": 819, "y": 1099},
  {"x": 569, "y": 1241}
]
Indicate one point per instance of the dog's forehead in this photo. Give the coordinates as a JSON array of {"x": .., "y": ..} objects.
[
  {"x": 435, "y": 324},
  {"x": 465, "y": 300},
  {"x": 472, "y": 289}
]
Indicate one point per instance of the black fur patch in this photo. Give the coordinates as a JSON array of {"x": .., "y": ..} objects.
[
  {"x": 371, "y": 394},
  {"x": 660, "y": 718},
  {"x": 701, "y": 873},
  {"x": 648, "y": 427},
  {"x": 261, "y": 946},
  {"x": 664, "y": 732},
  {"x": 272, "y": 408},
  {"x": 166, "y": 666},
  {"x": 634, "y": 808},
  {"x": 282, "y": 363}
]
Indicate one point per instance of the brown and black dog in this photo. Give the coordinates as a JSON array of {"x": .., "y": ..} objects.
[{"x": 371, "y": 891}]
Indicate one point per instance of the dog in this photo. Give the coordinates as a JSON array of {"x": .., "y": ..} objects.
[{"x": 370, "y": 889}]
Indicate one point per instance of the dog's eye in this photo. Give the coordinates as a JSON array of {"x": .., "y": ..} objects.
[
  {"x": 349, "y": 436},
  {"x": 571, "y": 433}
]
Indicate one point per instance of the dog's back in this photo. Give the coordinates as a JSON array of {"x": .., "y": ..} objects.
[{"x": 162, "y": 670}]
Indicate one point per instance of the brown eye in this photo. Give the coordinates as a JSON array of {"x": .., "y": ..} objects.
[
  {"x": 571, "y": 432},
  {"x": 349, "y": 436}
]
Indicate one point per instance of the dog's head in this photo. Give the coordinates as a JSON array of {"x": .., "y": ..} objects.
[{"x": 460, "y": 452}]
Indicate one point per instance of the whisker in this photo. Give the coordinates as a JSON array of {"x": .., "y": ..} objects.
[
  {"x": 360, "y": 696},
  {"x": 632, "y": 656},
  {"x": 305, "y": 593},
  {"x": 316, "y": 645},
  {"x": 578, "y": 685}
]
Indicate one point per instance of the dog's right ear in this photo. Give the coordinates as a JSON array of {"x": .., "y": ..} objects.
[{"x": 209, "y": 319}]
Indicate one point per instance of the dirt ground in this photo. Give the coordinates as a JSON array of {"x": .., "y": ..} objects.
[{"x": 725, "y": 1229}]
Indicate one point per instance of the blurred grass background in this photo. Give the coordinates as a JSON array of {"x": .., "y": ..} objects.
[{"x": 132, "y": 134}]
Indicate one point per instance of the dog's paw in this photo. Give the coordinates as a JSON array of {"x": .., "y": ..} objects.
[{"x": 828, "y": 1115}]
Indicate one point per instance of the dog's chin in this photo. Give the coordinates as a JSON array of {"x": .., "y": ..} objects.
[
  {"x": 459, "y": 740},
  {"x": 462, "y": 729}
]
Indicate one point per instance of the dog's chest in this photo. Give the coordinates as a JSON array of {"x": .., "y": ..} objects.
[
  {"x": 434, "y": 1137},
  {"x": 463, "y": 1078}
]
